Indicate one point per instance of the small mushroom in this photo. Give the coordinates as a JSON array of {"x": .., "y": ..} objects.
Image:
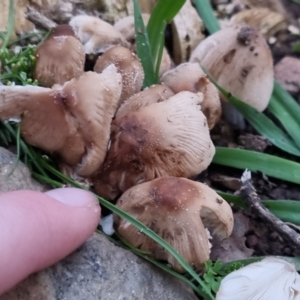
[
  {"x": 60, "y": 58},
  {"x": 153, "y": 94},
  {"x": 126, "y": 27},
  {"x": 190, "y": 77},
  {"x": 128, "y": 64},
  {"x": 182, "y": 212},
  {"x": 72, "y": 120},
  {"x": 240, "y": 60},
  {"x": 96, "y": 35},
  {"x": 170, "y": 138}
]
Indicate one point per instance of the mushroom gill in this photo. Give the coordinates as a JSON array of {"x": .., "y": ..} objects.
[
  {"x": 153, "y": 94},
  {"x": 170, "y": 138},
  {"x": 92, "y": 100},
  {"x": 190, "y": 77},
  {"x": 173, "y": 207}
]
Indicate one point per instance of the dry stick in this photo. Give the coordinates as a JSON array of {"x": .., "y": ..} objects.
[
  {"x": 253, "y": 202},
  {"x": 38, "y": 19}
]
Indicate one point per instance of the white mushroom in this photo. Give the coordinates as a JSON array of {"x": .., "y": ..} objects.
[
  {"x": 96, "y": 35},
  {"x": 271, "y": 278}
]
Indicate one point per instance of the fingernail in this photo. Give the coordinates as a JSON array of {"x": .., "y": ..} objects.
[{"x": 74, "y": 197}]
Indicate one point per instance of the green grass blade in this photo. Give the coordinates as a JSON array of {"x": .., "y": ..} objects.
[
  {"x": 18, "y": 142},
  {"x": 260, "y": 122},
  {"x": 247, "y": 261},
  {"x": 134, "y": 222},
  {"x": 143, "y": 46},
  {"x": 207, "y": 15},
  {"x": 11, "y": 24},
  {"x": 163, "y": 13},
  {"x": 255, "y": 161},
  {"x": 285, "y": 210},
  {"x": 286, "y": 109}
]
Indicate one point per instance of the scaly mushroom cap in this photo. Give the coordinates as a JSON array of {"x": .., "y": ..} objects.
[
  {"x": 60, "y": 58},
  {"x": 179, "y": 210},
  {"x": 153, "y": 94},
  {"x": 128, "y": 64},
  {"x": 169, "y": 138},
  {"x": 72, "y": 121},
  {"x": 92, "y": 100},
  {"x": 96, "y": 35},
  {"x": 190, "y": 77},
  {"x": 240, "y": 60}
]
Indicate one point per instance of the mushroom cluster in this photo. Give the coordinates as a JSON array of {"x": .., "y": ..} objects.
[{"x": 136, "y": 146}]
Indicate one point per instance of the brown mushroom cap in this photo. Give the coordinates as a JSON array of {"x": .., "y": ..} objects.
[
  {"x": 190, "y": 77},
  {"x": 179, "y": 210},
  {"x": 72, "y": 121},
  {"x": 153, "y": 94},
  {"x": 60, "y": 58},
  {"x": 96, "y": 35},
  {"x": 128, "y": 64},
  {"x": 45, "y": 123},
  {"x": 92, "y": 100},
  {"x": 240, "y": 60},
  {"x": 170, "y": 138}
]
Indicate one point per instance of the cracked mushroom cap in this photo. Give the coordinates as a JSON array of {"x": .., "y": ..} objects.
[
  {"x": 153, "y": 94},
  {"x": 190, "y": 77},
  {"x": 96, "y": 35},
  {"x": 180, "y": 211},
  {"x": 128, "y": 64},
  {"x": 71, "y": 120},
  {"x": 170, "y": 138},
  {"x": 240, "y": 60},
  {"x": 60, "y": 58}
]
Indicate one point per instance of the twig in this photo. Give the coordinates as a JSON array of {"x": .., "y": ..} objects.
[
  {"x": 38, "y": 19},
  {"x": 253, "y": 202}
]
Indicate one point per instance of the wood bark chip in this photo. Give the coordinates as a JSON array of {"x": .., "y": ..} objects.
[{"x": 38, "y": 19}]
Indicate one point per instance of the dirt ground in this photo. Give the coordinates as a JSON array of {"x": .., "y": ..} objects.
[{"x": 259, "y": 237}]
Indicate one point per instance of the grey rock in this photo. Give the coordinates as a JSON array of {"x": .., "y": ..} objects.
[
  {"x": 20, "y": 178},
  {"x": 99, "y": 270}
]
